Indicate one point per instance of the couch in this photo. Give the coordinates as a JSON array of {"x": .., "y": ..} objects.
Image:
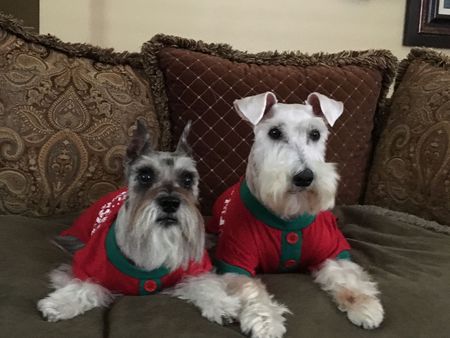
[{"x": 67, "y": 111}]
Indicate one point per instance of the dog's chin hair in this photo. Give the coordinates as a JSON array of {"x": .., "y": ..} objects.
[
  {"x": 274, "y": 190},
  {"x": 267, "y": 182},
  {"x": 151, "y": 245},
  {"x": 325, "y": 186}
]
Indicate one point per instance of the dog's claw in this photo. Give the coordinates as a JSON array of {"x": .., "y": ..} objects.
[
  {"x": 49, "y": 310},
  {"x": 223, "y": 312},
  {"x": 267, "y": 322},
  {"x": 368, "y": 314},
  {"x": 276, "y": 330},
  {"x": 268, "y": 329}
]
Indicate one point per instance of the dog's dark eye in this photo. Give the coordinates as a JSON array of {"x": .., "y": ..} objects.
[
  {"x": 145, "y": 176},
  {"x": 314, "y": 135},
  {"x": 187, "y": 180},
  {"x": 275, "y": 133}
]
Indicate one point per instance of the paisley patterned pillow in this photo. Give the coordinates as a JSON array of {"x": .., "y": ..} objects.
[
  {"x": 66, "y": 112},
  {"x": 411, "y": 168}
]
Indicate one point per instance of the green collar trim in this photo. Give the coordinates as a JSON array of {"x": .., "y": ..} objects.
[
  {"x": 223, "y": 268},
  {"x": 345, "y": 254},
  {"x": 260, "y": 212},
  {"x": 117, "y": 259}
]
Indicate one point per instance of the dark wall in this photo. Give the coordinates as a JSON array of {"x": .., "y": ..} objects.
[{"x": 25, "y": 10}]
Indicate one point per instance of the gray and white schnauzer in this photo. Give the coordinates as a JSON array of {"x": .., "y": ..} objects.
[
  {"x": 276, "y": 219},
  {"x": 142, "y": 239}
]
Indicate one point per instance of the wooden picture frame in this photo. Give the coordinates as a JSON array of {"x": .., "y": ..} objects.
[{"x": 427, "y": 23}]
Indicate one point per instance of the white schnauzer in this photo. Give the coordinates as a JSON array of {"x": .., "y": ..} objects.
[
  {"x": 140, "y": 240},
  {"x": 276, "y": 219}
]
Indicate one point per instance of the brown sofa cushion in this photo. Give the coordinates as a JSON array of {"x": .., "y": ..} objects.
[
  {"x": 408, "y": 257},
  {"x": 66, "y": 111},
  {"x": 196, "y": 81},
  {"x": 411, "y": 169}
]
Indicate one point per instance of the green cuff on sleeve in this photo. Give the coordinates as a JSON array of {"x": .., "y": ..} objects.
[
  {"x": 344, "y": 255},
  {"x": 223, "y": 267}
]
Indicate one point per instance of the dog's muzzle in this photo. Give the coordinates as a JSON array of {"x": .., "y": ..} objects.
[
  {"x": 304, "y": 178},
  {"x": 169, "y": 205}
]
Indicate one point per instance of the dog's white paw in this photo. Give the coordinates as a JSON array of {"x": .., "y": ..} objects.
[
  {"x": 53, "y": 310},
  {"x": 224, "y": 309},
  {"x": 368, "y": 313},
  {"x": 264, "y": 321},
  {"x": 268, "y": 329}
]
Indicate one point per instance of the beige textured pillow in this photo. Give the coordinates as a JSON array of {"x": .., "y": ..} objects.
[
  {"x": 411, "y": 168},
  {"x": 66, "y": 113}
]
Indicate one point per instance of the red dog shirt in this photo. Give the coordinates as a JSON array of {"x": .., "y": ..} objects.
[
  {"x": 252, "y": 239},
  {"x": 102, "y": 262}
]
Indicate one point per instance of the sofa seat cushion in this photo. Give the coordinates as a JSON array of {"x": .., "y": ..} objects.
[
  {"x": 26, "y": 258},
  {"x": 408, "y": 256},
  {"x": 193, "y": 80}
]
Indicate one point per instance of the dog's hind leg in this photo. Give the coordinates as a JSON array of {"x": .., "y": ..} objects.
[
  {"x": 208, "y": 293},
  {"x": 72, "y": 299},
  {"x": 353, "y": 291},
  {"x": 260, "y": 315}
]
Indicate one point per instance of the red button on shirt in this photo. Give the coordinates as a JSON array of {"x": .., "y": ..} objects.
[
  {"x": 292, "y": 238},
  {"x": 290, "y": 263},
  {"x": 150, "y": 285}
]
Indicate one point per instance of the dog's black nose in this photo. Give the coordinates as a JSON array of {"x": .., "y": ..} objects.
[
  {"x": 304, "y": 178},
  {"x": 169, "y": 204}
]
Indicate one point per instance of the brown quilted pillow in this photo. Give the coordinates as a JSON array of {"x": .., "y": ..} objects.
[
  {"x": 197, "y": 81},
  {"x": 411, "y": 169},
  {"x": 66, "y": 112}
]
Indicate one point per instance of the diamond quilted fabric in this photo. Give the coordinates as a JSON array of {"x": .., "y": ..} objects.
[{"x": 196, "y": 81}]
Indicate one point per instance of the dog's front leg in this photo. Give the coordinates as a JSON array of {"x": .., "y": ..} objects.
[
  {"x": 73, "y": 299},
  {"x": 208, "y": 293},
  {"x": 353, "y": 291},
  {"x": 260, "y": 315}
]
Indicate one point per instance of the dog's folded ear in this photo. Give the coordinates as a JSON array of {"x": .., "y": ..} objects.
[
  {"x": 183, "y": 145},
  {"x": 253, "y": 108},
  {"x": 324, "y": 106},
  {"x": 140, "y": 141}
]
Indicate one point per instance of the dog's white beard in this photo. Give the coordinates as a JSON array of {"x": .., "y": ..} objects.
[
  {"x": 150, "y": 245},
  {"x": 268, "y": 180},
  {"x": 318, "y": 197},
  {"x": 324, "y": 186},
  {"x": 272, "y": 185}
]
